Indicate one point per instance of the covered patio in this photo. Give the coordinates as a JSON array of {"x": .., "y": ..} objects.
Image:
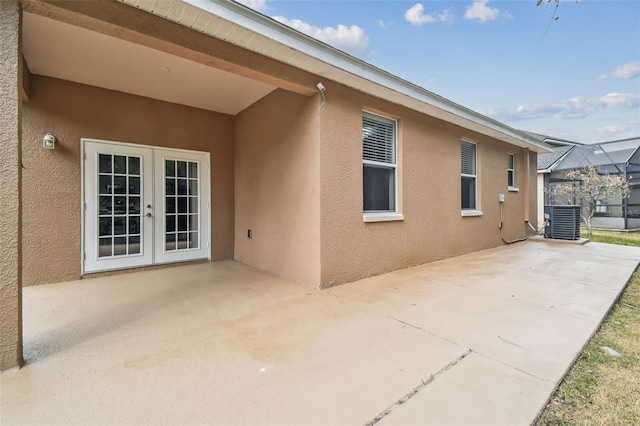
[{"x": 482, "y": 338}]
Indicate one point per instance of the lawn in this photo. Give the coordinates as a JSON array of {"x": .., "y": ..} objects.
[
  {"x": 604, "y": 389},
  {"x": 613, "y": 237}
]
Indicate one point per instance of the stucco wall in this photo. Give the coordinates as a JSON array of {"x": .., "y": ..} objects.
[
  {"x": 10, "y": 187},
  {"x": 52, "y": 179},
  {"x": 277, "y": 186},
  {"x": 286, "y": 169},
  {"x": 429, "y": 192}
]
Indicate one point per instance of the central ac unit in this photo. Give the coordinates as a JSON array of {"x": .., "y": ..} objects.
[{"x": 562, "y": 222}]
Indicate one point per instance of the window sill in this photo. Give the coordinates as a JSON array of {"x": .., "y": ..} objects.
[
  {"x": 513, "y": 189},
  {"x": 382, "y": 217},
  {"x": 471, "y": 213}
]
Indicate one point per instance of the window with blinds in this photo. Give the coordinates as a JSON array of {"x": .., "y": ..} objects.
[
  {"x": 378, "y": 139},
  {"x": 379, "y": 163},
  {"x": 511, "y": 180},
  {"x": 468, "y": 176}
]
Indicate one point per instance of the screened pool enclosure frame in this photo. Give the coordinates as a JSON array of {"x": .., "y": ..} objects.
[{"x": 621, "y": 158}]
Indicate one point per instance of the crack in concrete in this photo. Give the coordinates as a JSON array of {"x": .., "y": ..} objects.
[
  {"x": 417, "y": 389},
  {"x": 430, "y": 333},
  {"x": 406, "y": 323},
  {"x": 514, "y": 367}
]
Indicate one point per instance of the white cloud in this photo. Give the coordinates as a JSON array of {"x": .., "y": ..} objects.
[
  {"x": 382, "y": 24},
  {"x": 604, "y": 130},
  {"x": 415, "y": 15},
  {"x": 351, "y": 39},
  {"x": 483, "y": 13},
  {"x": 576, "y": 107},
  {"x": 259, "y": 5},
  {"x": 627, "y": 129},
  {"x": 626, "y": 71},
  {"x": 620, "y": 100},
  {"x": 446, "y": 16}
]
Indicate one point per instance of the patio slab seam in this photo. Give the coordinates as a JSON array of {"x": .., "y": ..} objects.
[
  {"x": 424, "y": 383},
  {"x": 470, "y": 350}
]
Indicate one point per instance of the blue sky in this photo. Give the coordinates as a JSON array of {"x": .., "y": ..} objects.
[{"x": 577, "y": 77}]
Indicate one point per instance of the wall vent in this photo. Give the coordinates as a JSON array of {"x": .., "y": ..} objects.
[{"x": 562, "y": 222}]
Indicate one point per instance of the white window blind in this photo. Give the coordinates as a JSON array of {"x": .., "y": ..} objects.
[
  {"x": 468, "y": 158},
  {"x": 378, "y": 139},
  {"x": 468, "y": 176},
  {"x": 510, "y": 170}
]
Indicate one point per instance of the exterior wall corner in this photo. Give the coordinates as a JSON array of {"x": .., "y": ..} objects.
[{"x": 10, "y": 186}]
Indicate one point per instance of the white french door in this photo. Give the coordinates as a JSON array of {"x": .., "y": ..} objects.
[{"x": 143, "y": 205}]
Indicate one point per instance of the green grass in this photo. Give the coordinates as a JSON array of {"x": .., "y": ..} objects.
[
  {"x": 601, "y": 389},
  {"x": 613, "y": 237}
]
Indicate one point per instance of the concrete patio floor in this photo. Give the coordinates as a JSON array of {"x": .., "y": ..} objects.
[{"x": 478, "y": 339}]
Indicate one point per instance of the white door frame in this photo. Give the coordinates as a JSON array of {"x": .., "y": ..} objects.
[{"x": 152, "y": 217}]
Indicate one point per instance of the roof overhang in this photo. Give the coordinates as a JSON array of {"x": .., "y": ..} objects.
[
  {"x": 241, "y": 26},
  {"x": 291, "y": 60}
]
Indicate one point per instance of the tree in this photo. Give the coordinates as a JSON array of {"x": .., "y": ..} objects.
[
  {"x": 554, "y": 17},
  {"x": 591, "y": 187}
]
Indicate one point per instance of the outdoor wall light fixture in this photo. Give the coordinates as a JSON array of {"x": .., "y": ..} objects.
[
  {"x": 48, "y": 141},
  {"x": 321, "y": 89}
]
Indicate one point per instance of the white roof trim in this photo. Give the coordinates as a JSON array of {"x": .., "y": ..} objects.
[{"x": 280, "y": 42}]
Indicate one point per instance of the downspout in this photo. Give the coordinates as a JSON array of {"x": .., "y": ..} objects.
[
  {"x": 526, "y": 186},
  {"x": 527, "y": 195}
]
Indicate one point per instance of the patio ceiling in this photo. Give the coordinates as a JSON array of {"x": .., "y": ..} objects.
[{"x": 56, "y": 49}]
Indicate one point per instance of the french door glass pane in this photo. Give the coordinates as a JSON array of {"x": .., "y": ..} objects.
[
  {"x": 119, "y": 216},
  {"x": 181, "y": 205}
]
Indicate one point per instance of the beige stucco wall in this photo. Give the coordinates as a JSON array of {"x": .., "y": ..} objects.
[
  {"x": 286, "y": 169},
  {"x": 429, "y": 192},
  {"x": 277, "y": 182},
  {"x": 10, "y": 187},
  {"x": 52, "y": 179}
]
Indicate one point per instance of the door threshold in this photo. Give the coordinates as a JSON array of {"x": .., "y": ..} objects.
[{"x": 90, "y": 275}]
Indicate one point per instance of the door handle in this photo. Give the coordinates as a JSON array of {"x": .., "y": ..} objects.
[{"x": 148, "y": 215}]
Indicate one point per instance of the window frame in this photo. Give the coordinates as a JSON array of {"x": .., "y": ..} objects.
[
  {"x": 394, "y": 213},
  {"x": 511, "y": 172},
  {"x": 475, "y": 210}
]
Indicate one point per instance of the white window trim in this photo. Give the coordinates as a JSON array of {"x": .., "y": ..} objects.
[
  {"x": 475, "y": 211},
  {"x": 382, "y": 217},
  {"x": 385, "y": 216},
  {"x": 513, "y": 172}
]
